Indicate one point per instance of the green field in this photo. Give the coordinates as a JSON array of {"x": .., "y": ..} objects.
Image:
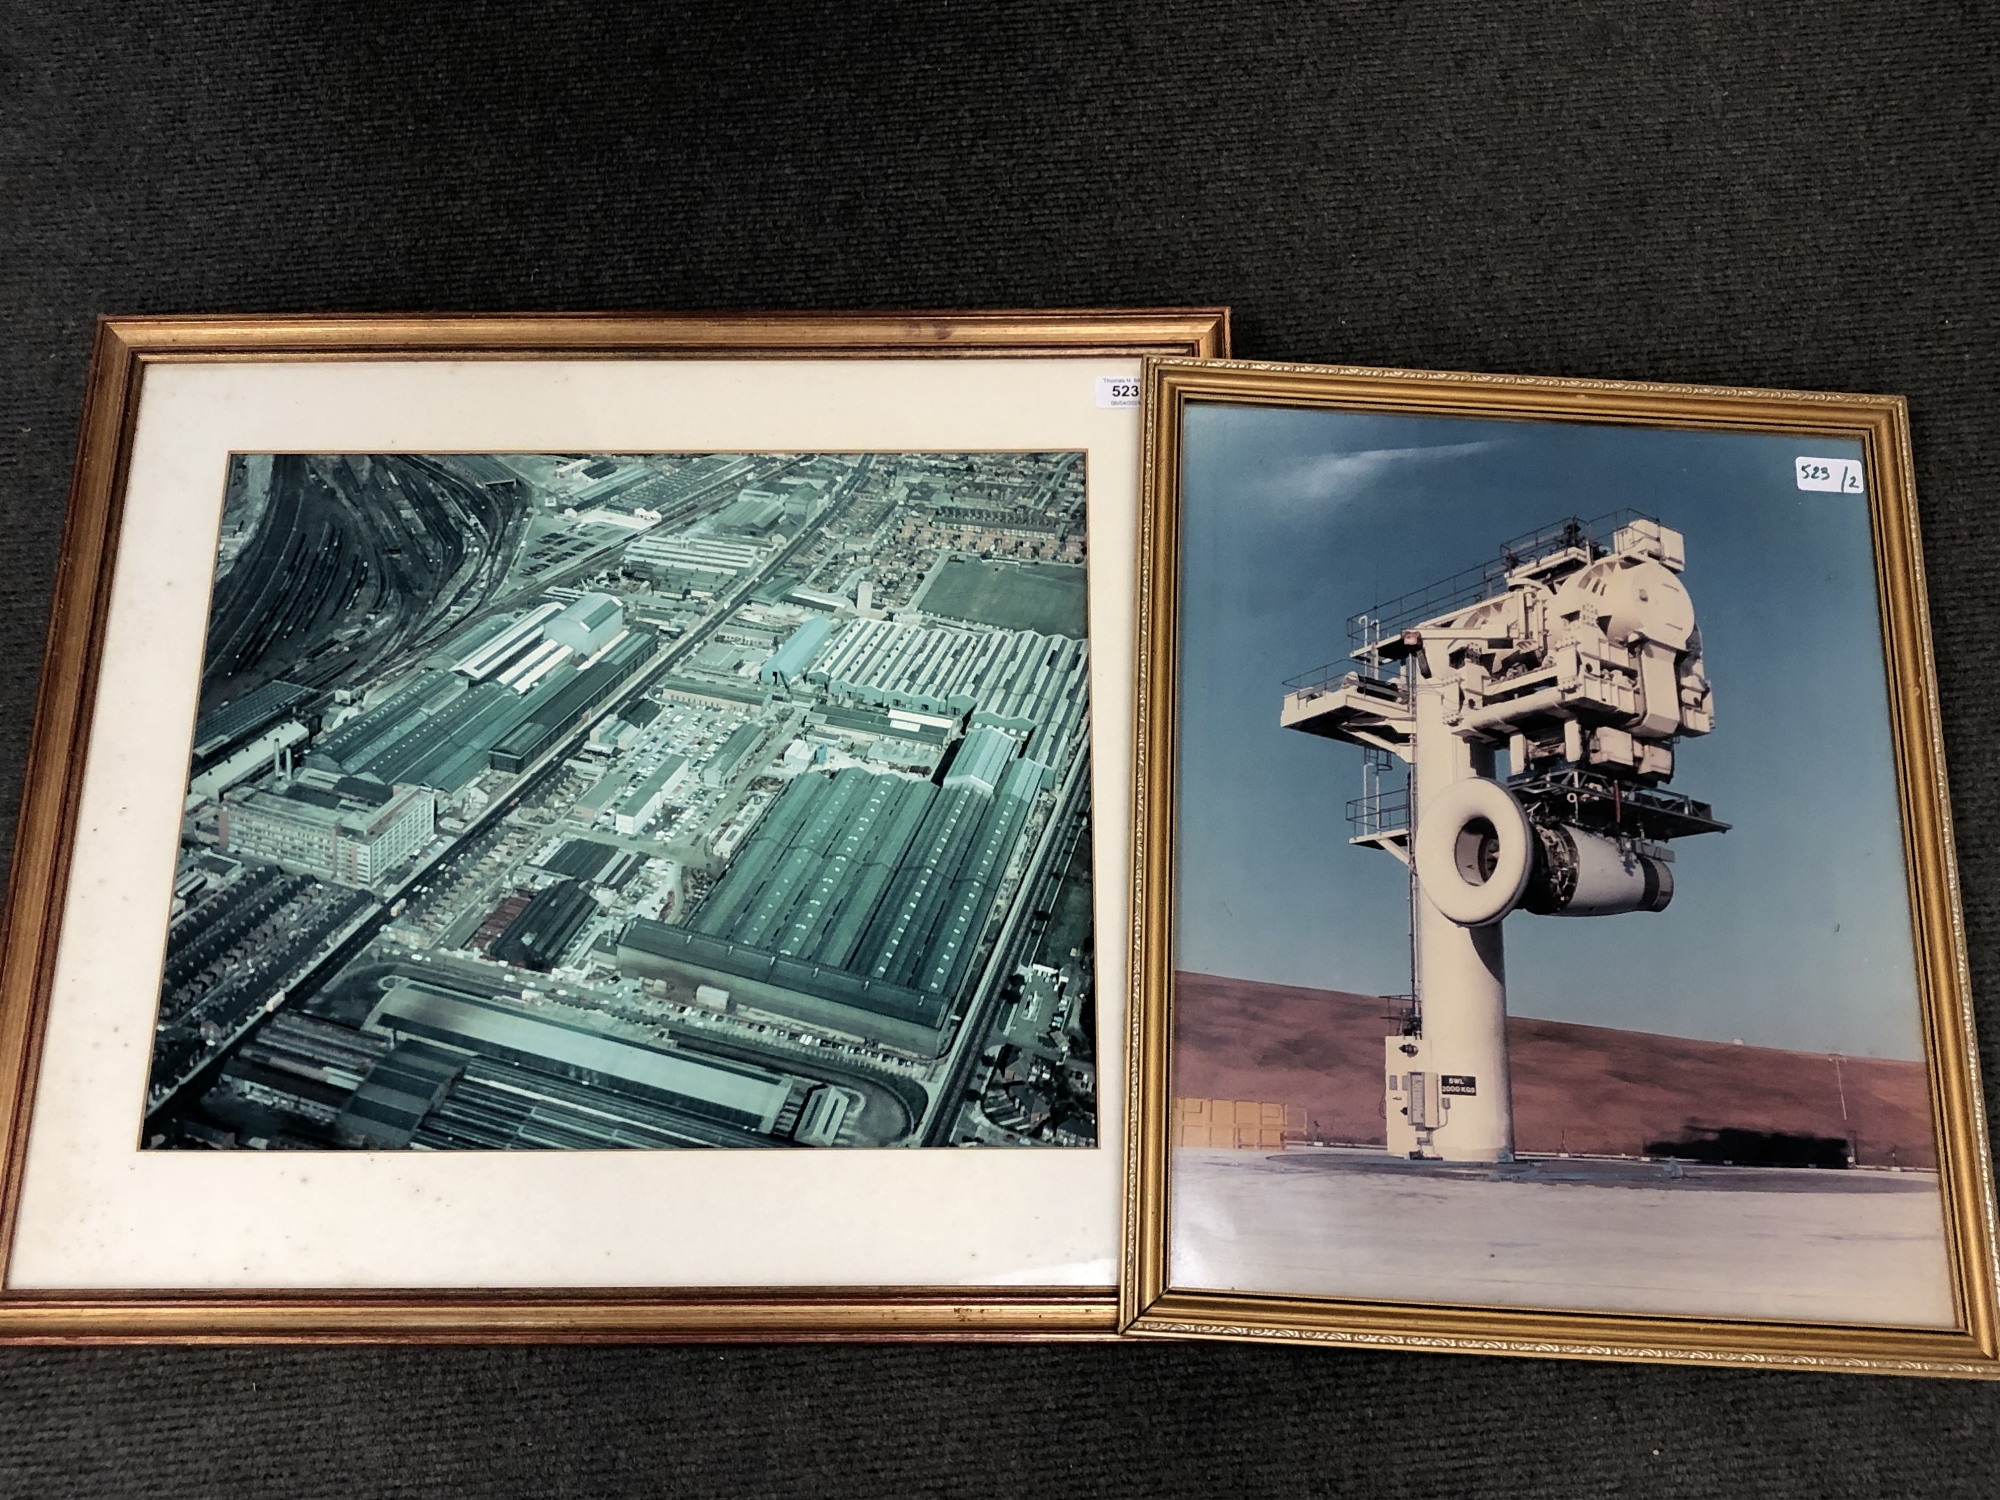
[{"x": 1047, "y": 597}]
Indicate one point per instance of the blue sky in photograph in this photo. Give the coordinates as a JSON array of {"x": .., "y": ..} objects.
[{"x": 1790, "y": 930}]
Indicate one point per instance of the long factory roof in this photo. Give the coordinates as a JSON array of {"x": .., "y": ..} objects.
[
  {"x": 439, "y": 733},
  {"x": 712, "y": 1086},
  {"x": 877, "y": 875},
  {"x": 661, "y": 775},
  {"x": 1017, "y": 678},
  {"x": 800, "y": 647}
]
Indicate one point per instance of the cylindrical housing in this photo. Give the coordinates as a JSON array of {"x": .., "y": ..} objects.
[
  {"x": 1474, "y": 851},
  {"x": 1462, "y": 977},
  {"x": 1461, "y": 969},
  {"x": 1578, "y": 873}
]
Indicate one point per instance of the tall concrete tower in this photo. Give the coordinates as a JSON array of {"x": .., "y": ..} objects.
[{"x": 1578, "y": 658}]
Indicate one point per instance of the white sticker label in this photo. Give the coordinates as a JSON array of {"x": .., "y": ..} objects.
[
  {"x": 1117, "y": 390},
  {"x": 1841, "y": 475}
]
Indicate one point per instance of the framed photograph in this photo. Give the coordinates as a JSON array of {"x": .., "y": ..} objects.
[
  {"x": 1547, "y": 931},
  {"x": 581, "y": 827}
]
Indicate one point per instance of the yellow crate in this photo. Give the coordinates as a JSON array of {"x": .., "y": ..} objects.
[{"x": 1240, "y": 1124}]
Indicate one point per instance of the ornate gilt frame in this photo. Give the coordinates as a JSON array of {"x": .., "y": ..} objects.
[
  {"x": 1149, "y": 1305},
  {"x": 124, "y": 349}
]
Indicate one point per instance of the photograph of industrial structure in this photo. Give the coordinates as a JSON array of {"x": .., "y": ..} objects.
[
  {"x": 584, "y": 801},
  {"x": 1625, "y": 674}
]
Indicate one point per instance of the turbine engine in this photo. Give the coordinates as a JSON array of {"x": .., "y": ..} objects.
[{"x": 1480, "y": 855}]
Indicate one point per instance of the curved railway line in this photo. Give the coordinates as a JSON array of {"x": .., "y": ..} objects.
[{"x": 354, "y": 561}]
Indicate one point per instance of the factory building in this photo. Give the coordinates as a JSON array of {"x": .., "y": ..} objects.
[
  {"x": 719, "y": 657},
  {"x": 354, "y": 741},
  {"x": 745, "y": 634},
  {"x": 220, "y": 728},
  {"x": 667, "y": 493},
  {"x": 942, "y": 963},
  {"x": 474, "y": 638},
  {"x": 1014, "y": 679},
  {"x": 444, "y": 749},
  {"x": 982, "y": 760},
  {"x": 443, "y": 1070},
  {"x": 599, "y": 797},
  {"x": 253, "y": 757},
  {"x": 546, "y": 926},
  {"x": 712, "y": 694},
  {"x": 621, "y": 481},
  {"x": 588, "y": 625},
  {"x": 480, "y": 469},
  {"x": 927, "y": 729},
  {"x": 386, "y": 1109},
  {"x": 927, "y": 926},
  {"x": 816, "y": 598},
  {"x": 713, "y": 1088},
  {"x": 445, "y": 728},
  {"x": 337, "y": 836},
  {"x": 857, "y": 902},
  {"x": 521, "y": 653},
  {"x": 776, "y": 588},
  {"x": 728, "y": 760},
  {"x": 494, "y": 652},
  {"x": 752, "y": 511},
  {"x": 792, "y": 658},
  {"x": 645, "y": 800},
  {"x": 692, "y": 554},
  {"x": 891, "y": 1015}
]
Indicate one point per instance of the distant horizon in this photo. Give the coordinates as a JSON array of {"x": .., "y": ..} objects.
[
  {"x": 1514, "y": 1015},
  {"x": 1791, "y": 930}
]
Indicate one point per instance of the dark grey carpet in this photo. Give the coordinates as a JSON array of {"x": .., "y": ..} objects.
[{"x": 1803, "y": 195}]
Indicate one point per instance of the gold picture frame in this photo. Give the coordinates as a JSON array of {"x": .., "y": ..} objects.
[
  {"x": 127, "y": 353},
  {"x": 1259, "y": 1303}
]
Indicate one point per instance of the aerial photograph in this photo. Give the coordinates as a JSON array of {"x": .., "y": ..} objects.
[{"x": 594, "y": 801}]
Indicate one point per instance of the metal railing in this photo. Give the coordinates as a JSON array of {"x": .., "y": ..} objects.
[
  {"x": 1373, "y": 814},
  {"x": 1336, "y": 675},
  {"x": 1488, "y": 579},
  {"x": 1384, "y": 804}
]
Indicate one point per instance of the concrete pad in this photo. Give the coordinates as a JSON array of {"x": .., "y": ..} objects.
[{"x": 1572, "y": 1234}]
